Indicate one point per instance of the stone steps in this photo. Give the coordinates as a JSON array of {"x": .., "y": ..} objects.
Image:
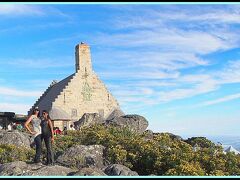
[
  {"x": 38, "y": 100},
  {"x": 61, "y": 93},
  {"x": 47, "y": 90}
]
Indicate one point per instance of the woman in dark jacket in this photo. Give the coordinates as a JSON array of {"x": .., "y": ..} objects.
[{"x": 48, "y": 136}]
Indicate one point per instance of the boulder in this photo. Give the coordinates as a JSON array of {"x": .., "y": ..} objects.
[
  {"x": 81, "y": 156},
  {"x": 134, "y": 122},
  {"x": 119, "y": 170},
  {"x": 50, "y": 171},
  {"x": 15, "y": 137},
  {"x": 148, "y": 134},
  {"x": 115, "y": 113},
  {"x": 20, "y": 168},
  {"x": 88, "y": 119},
  {"x": 13, "y": 168},
  {"x": 175, "y": 137},
  {"x": 89, "y": 172}
]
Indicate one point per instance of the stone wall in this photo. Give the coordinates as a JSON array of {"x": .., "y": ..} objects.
[{"x": 85, "y": 93}]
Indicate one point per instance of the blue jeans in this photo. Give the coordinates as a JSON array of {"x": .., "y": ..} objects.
[
  {"x": 38, "y": 142},
  {"x": 48, "y": 144}
]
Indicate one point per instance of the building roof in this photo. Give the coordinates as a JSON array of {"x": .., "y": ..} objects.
[
  {"x": 48, "y": 97},
  {"x": 231, "y": 149},
  {"x": 56, "y": 113},
  {"x": 7, "y": 114}
]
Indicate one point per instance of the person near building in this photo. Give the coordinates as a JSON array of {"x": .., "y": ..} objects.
[
  {"x": 36, "y": 132},
  {"x": 48, "y": 136},
  {"x": 57, "y": 131}
]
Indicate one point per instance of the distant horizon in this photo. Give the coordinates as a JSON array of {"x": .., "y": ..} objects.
[{"x": 176, "y": 65}]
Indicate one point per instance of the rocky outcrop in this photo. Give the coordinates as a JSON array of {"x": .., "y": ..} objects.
[
  {"x": 134, "y": 122},
  {"x": 15, "y": 137},
  {"x": 148, "y": 134},
  {"x": 50, "y": 171},
  {"x": 88, "y": 119},
  {"x": 89, "y": 172},
  {"x": 13, "y": 169},
  {"x": 119, "y": 170},
  {"x": 115, "y": 113},
  {"x": 20, "y": 168},
  {"x": 175, "y": 137},
  {"x": 81, "y": 156},
  {"x": 117, "y": 118}
]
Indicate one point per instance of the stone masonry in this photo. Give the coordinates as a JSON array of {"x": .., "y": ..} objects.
[{"x": 82, "y": 92}]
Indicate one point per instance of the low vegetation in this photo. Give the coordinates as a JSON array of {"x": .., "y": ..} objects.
[
  {"x": 159, "y": 155},
  {"x": 10, "y": 153}
]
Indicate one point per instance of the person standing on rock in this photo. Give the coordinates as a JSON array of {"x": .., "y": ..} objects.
[
  {"x": 36, "y": 121},
  {"x": 48, "y": 136}
]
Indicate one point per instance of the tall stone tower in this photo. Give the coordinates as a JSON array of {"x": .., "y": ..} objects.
[
  {"x": 82, "y": 92},
  {"x": 83, "y": 58}
]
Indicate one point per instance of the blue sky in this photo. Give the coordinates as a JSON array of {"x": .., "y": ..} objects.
[{"x": 177, "y": 65}]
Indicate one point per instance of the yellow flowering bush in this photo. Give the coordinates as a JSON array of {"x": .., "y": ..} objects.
[{"x": 160, "y": 154}]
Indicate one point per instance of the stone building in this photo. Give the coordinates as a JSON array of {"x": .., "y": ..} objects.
[{"x": 79, "y": 93}]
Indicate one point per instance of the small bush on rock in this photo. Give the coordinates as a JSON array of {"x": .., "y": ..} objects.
[{"x": 10, "y": 153}]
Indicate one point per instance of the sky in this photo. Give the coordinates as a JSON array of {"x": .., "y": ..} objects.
[{"x": 178, "y": 65}]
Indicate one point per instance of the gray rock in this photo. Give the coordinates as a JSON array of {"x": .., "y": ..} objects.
[
  {"x": 148, "y": 134},
  {"x": 50, "y": 171},
  {"x": 20, "y": 168},
  {"x": 88, "y": 119},
  {"x": 115, "y": 113},
  {"x": 134, "y": 122},
  {"x": 173, "y": 136},
  {"x": 80, "y": 156},
  {"x": 15, "y": 137},
  {"x": 119, "y": 170},
  {"x": 13, "y": 168},
  {"x": 89, "y": 172}
]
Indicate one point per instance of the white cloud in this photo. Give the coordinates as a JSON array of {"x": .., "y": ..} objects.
[
  {"x": 59, "y": 40},
  {"x": 39, "y": 63},
  {"x": 156, "y": 17},
  {"x": 230, "y": 74},
  {"x": 32, "y": 27},
  {"x": 220, "y": 100},
  {"x": 19, "y": 93},
  {"x": 140, "y": 75},
  {"x": 167, "y": 39},
  {"x": 155, "y": 49},
  {"x": 198, "y": 89},
  {"x": 15, "y": 107},
  {"x": 212, "y": 16},
  {"x": 149, "y": 59},
  {"x": 19, "y": 9}
]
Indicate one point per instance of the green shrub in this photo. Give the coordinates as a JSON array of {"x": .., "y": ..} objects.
[
  {"x": 161, "y": 155},
  {"x": 10, "y": 153}
]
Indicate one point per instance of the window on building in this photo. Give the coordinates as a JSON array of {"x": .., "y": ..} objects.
[{"x": 74, "y": 112}]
